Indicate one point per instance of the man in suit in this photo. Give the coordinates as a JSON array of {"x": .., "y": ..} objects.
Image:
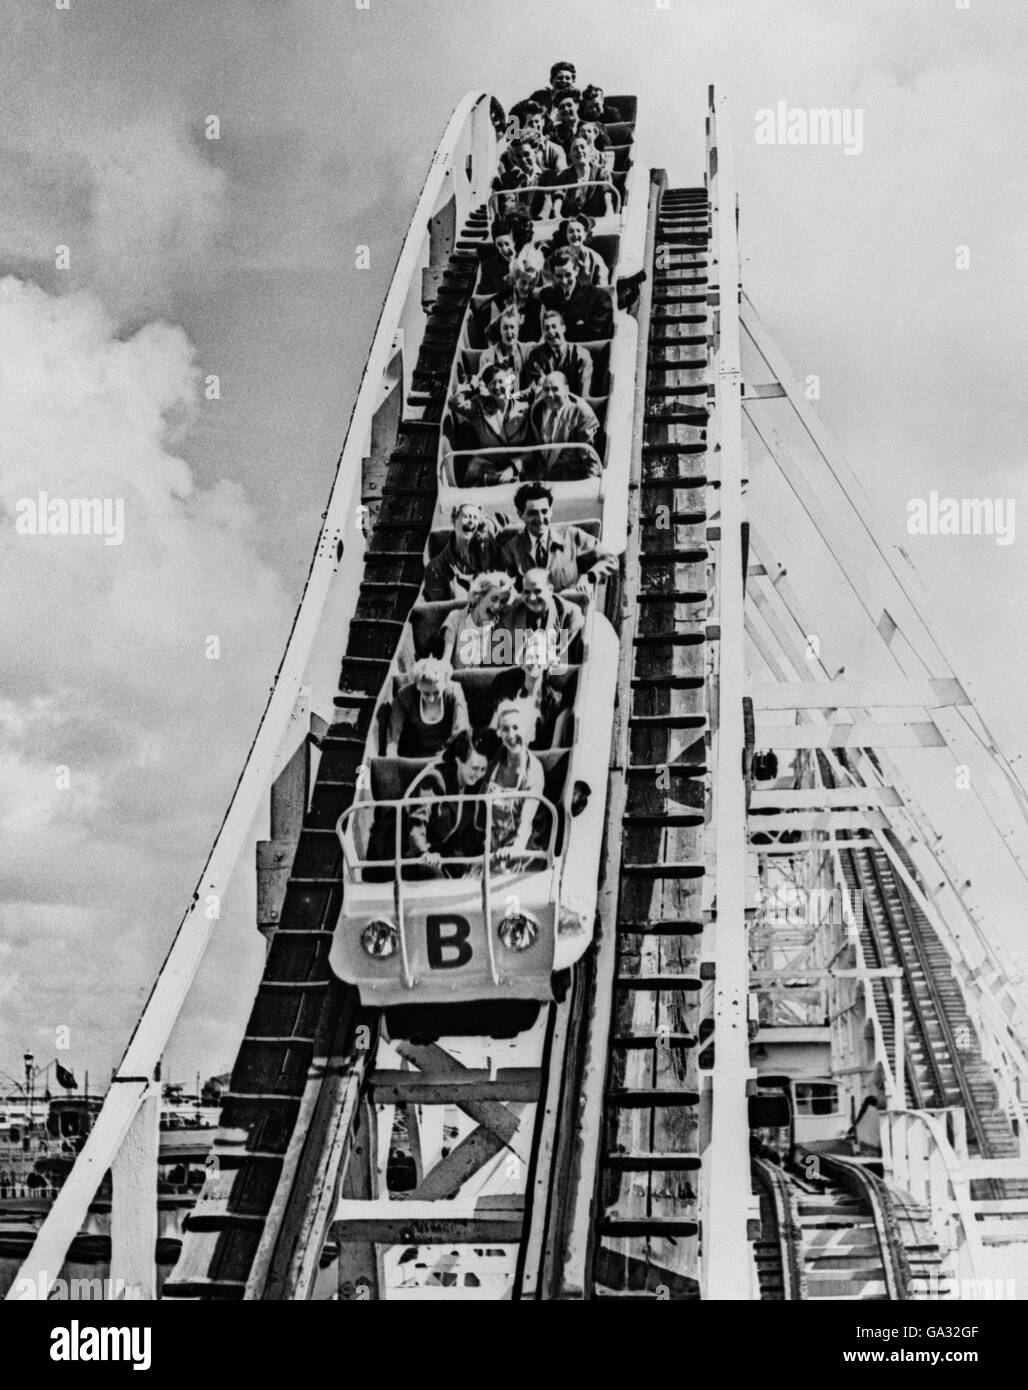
[
  {"x": 556, "y": 354},
  {"x": 587, "y": 312},
  {"x": 573, "y": 559},
  {"x": 552, "y": 156},
  {"x": 566, "y": 122},
  {"x": 538, "y": 626},
  {"x": 559, "y": 418}
]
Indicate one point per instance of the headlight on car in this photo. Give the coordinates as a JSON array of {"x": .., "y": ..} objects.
[
  {"x": 517, "y": 930},
  {"x": 380, "y": 938},
  {"x": 572, "y": 923}
]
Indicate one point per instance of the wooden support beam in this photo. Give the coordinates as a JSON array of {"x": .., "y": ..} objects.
[
  {"x": 827, "y": 820},
  {"x": 433, "y": 1060},
  {"x": 449, "y": 1175},
  {"x": 862, "y": 734},
  {"x": 431, "y": 1223},
  {"x": 798, "y": 847},
  {"x": 823, "y": 798},
  {"x": 393, "y": 1087},
  {"x": 835, "y": 694}
]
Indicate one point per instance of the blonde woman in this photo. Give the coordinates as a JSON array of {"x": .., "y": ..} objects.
[
  {"x": 514, "y": 769},
  {"x": 467, "y": 631},
  {"x": 426, "y": 713}
]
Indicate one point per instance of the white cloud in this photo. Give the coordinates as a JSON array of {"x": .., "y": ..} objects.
[
  {"x": 105, "y": 666},
  {"x": 136, "y": 203}
]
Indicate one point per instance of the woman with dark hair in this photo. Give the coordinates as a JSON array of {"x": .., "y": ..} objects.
[
  {"x": 510, "y": 235},
  {"x": 573, "y": 236},
  {"x": 496, "y": 420},
  {"x": 445, "y": 824},
  {"x": 471, "y": 548}
]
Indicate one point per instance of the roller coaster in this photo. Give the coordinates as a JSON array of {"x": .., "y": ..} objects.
[{"x": 727, "y": 1023}]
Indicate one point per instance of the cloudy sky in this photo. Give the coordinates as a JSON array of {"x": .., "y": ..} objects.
[{"x": 189, "y": 256}]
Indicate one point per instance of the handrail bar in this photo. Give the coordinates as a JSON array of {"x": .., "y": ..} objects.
[
  {"x": 446, "y": 455},
  {"x": 555, "y": 190},
  {"x": 372, "y": 805}
]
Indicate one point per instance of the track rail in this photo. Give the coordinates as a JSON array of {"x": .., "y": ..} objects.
[
  {"x": 298, "y": 1184},
  {"x": 302, "y": 1016},
  {"x": 845, "y": 1239},
  {"x": 646, "y": 1220},
  {"x": 947, "y": 1067},
  {"x": 779, "y": 1248}
]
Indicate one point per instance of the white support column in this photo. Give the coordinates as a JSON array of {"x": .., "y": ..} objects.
[
  {"x": 134, "y": 1201},
  {"x": 726, "y": 1253},
  {"x": 899, "y": 1064},
  {"x": 483, "y": 155}
]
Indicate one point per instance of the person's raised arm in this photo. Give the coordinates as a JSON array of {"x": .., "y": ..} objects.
[
  {"x": 397, "y": 724},
  {"x": 529, "y": 806},
  {"x": 462, "y": 395},
  {"x": 449, "y": 637},
  {"x": 586, "y": 360},
  {"x": 535, "y": 370},
  {"x": 460, "y": 711},
  {"x": 417, "y": 835}
]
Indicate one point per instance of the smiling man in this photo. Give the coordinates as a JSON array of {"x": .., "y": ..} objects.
[
  {"x": 563, "y": 78},
  {"x": 540, "y": 622},
  {"x": 572, "y": 557},
  {"x": 556, "y": 354},
  {"x": 587, "y": 312}
]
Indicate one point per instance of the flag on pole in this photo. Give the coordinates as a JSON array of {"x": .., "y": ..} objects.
[{"x": 66, "y": 1078}]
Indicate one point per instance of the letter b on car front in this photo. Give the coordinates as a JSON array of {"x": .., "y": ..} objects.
[{"x": 447, "y": 941}]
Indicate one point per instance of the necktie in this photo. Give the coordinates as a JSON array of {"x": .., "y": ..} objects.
[{"x": 540, "y": 554}]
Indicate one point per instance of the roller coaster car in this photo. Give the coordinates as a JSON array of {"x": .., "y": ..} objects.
[
  {"x": 501, "y": 931},
  {"x": 479, "y": 948}
]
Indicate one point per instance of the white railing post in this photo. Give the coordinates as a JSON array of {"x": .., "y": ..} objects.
[
  {"x": 726, "y": 1259},
  {"x": 899, "y": 1066},
  {"x": 134, "y": 1202}
]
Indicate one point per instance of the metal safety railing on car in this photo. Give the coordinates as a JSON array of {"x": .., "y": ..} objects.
[
  {"x": 353, "y": 863},
  {"x": 552, "y": 192},
  {"x": 447, "y": 476}
]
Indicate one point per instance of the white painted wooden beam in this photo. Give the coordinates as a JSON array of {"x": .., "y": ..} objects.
[
  {"x": 911, "y": 694},
  {"x": 862, "y": 734},
  {"x": 134, "y": 1201},
  {"x": 826, "y": 820},
  {"x": 727, "y": 1263},
  {"x": 816, "y": 798}
]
